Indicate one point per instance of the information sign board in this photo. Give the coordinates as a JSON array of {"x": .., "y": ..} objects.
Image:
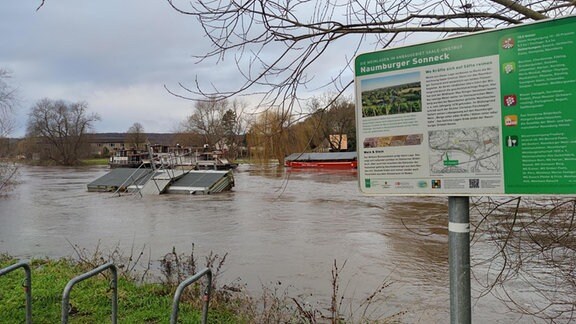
[{"x": 481, "y": 114}]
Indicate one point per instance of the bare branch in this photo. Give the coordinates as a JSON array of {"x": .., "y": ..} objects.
[
  {"x": 41, "y": 5},
  {"x": 524, "y": 10},
  {"x": 279, "y": 47}
]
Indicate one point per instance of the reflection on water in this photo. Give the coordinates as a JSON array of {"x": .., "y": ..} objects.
[{"x": 275, "y": 225}]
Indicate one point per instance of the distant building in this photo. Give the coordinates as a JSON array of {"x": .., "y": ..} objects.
[{"x": 104, "y": 143}]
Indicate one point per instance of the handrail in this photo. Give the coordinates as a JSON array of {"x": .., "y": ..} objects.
[
  {"x": 84, "y": 276},
  {"x": 131, "y": 177},
  {"x": 167, "y": 165},
  {"x": 161, "y": 169},
  {"x": 206, "y": 297},
  {"x": 28, "y": 286}
]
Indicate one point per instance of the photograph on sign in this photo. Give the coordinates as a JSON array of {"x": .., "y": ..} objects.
[{"x": 480, "y": 114}]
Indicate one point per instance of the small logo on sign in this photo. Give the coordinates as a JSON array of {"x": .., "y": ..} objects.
[
  {"x": 510, "y": 100},
  {"x": 512, "y": 141},
  {"x": 509, "y": 67},
  {"x": 511, "y": 120},
  {"x": 508, "y": 43}
]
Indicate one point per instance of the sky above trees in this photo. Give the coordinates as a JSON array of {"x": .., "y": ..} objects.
[
  {"x": 114, "y": 55},
  {"x": 117, "y": 56}
]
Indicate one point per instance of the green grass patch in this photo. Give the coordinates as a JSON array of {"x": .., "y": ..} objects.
[
  {"x": 91, "y": 298},
  {"x": 103, "y": 161}
]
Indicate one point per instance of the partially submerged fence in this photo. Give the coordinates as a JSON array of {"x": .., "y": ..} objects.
[{"x": 109, "y": 266}]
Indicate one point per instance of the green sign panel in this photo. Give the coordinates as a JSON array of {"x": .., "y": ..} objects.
[{"x": 481, "y": 114}]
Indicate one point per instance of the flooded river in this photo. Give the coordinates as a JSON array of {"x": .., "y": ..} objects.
[{"x": 276, "y": 226}]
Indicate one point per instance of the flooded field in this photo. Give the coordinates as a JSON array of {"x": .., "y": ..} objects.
[{"x": 276, "y": 226}]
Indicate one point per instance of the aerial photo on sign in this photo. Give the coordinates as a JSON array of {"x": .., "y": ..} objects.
[{"x": 480, "y": 114}]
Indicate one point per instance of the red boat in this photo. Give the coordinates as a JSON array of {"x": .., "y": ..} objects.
[{"x": 338, "y": 160}]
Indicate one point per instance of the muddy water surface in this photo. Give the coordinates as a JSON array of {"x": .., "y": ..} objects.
[{"x": 277, "y": 227}]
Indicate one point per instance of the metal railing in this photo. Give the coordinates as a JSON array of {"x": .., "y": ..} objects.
[
  {"x": 68, "y": 289},
  {"x": 168, "y": 164},
  {"x": 27, "y": 286},
  {"x": 84, "y": 276},
  {"x": 126, "y": 183},
  {"x": 206, "y": 272}
]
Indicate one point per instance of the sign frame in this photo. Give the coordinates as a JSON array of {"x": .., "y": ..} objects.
[{"x": 486, "y": 113}]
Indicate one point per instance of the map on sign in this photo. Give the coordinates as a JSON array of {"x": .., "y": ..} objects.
[
  {"x": 489, "y": 113},
  {"x": 465, "y": 150}
]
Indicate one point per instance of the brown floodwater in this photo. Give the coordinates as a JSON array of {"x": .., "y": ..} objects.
[{"x": 279, "y": 228}]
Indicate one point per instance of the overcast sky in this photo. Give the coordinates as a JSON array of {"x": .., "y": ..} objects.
[{"x": 115, "y": 55}]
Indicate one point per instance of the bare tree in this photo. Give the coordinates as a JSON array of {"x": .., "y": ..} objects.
[
  {"x": 221, "y": 123},
  {"x": 281, "y": 46},
  {"x": 8, "y": 101},
  {"x": 334, "y": 119},
  {"x": 8, "y": 177},
  {"x": 342, "y": 125},
  {"x": 135, "y": 136},
  {"x": 206, "y": 120},
  {"x": 7, "y": 104},
  {"x": 234, "y": 123},
  {"x": 61, "y": 129}
]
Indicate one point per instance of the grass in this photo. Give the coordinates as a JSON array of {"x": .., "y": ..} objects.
[
  {"x": 100, "y": 161},
  {"x": 91, "y": 298}
]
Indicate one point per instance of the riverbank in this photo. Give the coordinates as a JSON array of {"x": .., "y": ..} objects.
[
  {"x": 138, "y": 302},
  {"x": 84, "y": 162},
  {"x": 146, "y": 302}
]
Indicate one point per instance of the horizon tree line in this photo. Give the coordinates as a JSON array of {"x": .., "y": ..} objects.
[{"x": 58, "y": 131}]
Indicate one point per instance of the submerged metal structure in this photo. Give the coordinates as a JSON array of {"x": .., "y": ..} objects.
[
  {"x": 155, "y": 182},
  {"x": 168, "y": 177}
]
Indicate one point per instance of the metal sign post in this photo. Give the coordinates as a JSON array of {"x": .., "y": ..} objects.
[{"x": 459, "y": 259}]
